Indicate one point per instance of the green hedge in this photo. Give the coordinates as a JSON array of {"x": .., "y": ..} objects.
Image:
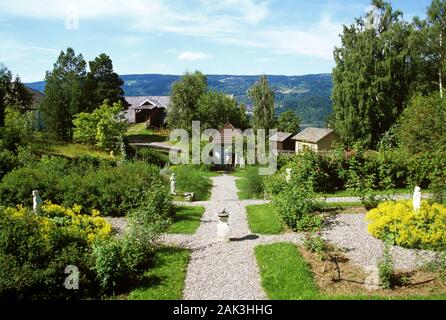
[{"x": 91, "y": 183}]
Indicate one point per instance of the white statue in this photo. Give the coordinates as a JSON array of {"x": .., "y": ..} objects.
[
  {"x": 173, "y": 184},
  {"x": 417, "y": 199},
  {"x": 37, "y": 202},
  {"x": 288, "y": 174}
]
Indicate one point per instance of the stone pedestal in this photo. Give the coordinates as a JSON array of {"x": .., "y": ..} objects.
[{"x": 223, "y": 226}]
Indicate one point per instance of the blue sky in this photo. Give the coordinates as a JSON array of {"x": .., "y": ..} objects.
[{"x": 287, "y": 37}]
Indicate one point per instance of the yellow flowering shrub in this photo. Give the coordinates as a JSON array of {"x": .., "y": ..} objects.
[
  {"x": 71, "y": 220},
  {"x": 398, "y": 224}
]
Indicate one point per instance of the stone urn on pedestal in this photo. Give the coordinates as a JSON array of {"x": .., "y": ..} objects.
[{"x": 223, "y": 226}]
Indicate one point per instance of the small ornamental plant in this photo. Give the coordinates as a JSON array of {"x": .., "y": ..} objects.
[{"x": 397, "y": 223}]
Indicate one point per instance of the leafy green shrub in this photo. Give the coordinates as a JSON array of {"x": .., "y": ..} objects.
[
  {"x": 36, "y": 249},
  {"x": 118, "y": 262},
  {"x": 386, "y": 269},
  {"x": 274, "y": 185},
  {"x": 151, "y": 156},
  {"x": 193, "y": 179},
  {"x": 113, "y": 191},
  {"x": 7, "y": 161},
  {"x": 398, "y": 224},
  {"x": 88, "y": 182},
  {"x": 313, "y": 242},
  {"x": 17, "y": 186},
  {"x": 297, "y": 206}
]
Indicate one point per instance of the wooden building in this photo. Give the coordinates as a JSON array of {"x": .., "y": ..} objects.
[{"x": 315, "y": 139}]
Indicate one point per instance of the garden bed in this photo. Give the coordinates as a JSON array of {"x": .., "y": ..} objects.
[{"x": 308, "y": 277}]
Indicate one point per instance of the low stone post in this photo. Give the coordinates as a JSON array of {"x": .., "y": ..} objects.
[
  {"x": 223, "y": 226},
  {"x": 417, "y": 199},
  {"x": 37, "y": 202}
]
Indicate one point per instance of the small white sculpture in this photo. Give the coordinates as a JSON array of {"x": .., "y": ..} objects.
[
  {"x": 223, "y": 226},
  {"x": 173, "y": 184},
  {"x": 417, "y": 199},
  {"x": 37, "y": 202},
  {"x": 288, "y": 174},
  {"x": 112, "y": 154}
]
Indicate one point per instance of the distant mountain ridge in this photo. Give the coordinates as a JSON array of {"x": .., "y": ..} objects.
[{"x": 308, "y": 95}]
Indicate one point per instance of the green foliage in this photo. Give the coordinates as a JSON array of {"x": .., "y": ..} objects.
[
  {"x": 193, "y": 179},
  {"x": 103, "y": 127},
  {"x": 13, "y": 93},
  {"x": 185, "y": 95},
  {"x": 94, "y": 185},
  {"x": 421, "y": 127},
  {"x": 313, "y": 242},
  {"x": 34, "y": 252},
  {"x": 151, "y": 156},
  {"x": 103, "y": 83},
  {"x": 263, "y": 99},
  {"x": 64, "y": 94},
  {"x": 288, "y": 122},
  {"x": 120, "y": 261},
  {"x": 371, "y": 77},
  {"x": 386, "y": 269},
  {"x": 215, "y": 109},
  {"x": 297, "y": 206}
]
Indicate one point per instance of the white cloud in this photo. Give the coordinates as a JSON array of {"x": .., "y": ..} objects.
[{"x": 193, "y": 56}]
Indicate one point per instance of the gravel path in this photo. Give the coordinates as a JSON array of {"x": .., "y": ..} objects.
[
  {"x": 224, "y": 271},
  {"x": 349, "y": 231}
]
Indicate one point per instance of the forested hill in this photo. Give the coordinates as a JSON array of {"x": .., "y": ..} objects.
[{"x": 308, "y": 95}]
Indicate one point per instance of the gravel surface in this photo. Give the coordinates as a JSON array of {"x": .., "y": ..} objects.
[
  {"x": 219, "y": 271},
  {"x": 349, "y": 231},
  {"x": 228, "y": 271}
]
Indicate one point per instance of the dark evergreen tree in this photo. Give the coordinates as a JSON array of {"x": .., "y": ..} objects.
[
  {"x": 103, "y": 83},
  {"x": 65, "y": 94}
]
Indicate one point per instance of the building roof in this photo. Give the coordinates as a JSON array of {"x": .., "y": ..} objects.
[
  {"x": 313, "y": 135},
  {"x": 280, "y": 136},
  {"x": 144, "y": 103},
  {"x": 223, "y": 137},
  {"x": 148, "y": 102}
]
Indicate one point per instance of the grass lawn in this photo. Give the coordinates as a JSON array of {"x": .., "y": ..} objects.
[
  {"x": 187, "y": 220},
  {"x": 286, "y": 275},
  {"x": 139, "y": 130},
  {"x": 263, "y": 219},
  {"x": 165, "y": 281},
  {"x": 72, "y": 150}
]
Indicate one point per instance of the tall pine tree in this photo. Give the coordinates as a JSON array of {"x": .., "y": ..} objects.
[
  {"x": 263, "y": 99},
  {"x": 103, "y": 83},
  {"x": 65, "y": 94}
]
